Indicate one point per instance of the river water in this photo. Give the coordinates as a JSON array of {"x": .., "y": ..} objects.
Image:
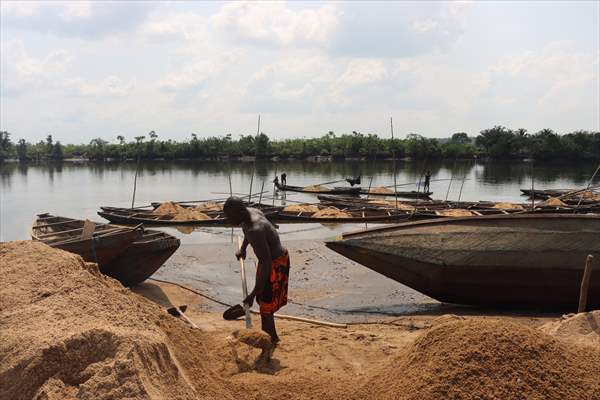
[
  {"x": 78, "y": 190},
  {"x": 323, "y": 284}
]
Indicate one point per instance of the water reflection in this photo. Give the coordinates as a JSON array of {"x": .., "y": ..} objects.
[{"x": 79, "y": 189}]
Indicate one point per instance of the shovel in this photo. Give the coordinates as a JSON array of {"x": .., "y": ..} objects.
[
  {"x": 244, "y": 287},
  {"x": 179, "y": 312}
]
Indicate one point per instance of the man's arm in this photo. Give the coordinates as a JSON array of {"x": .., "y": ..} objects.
[
  {"x": 241, "y": 253},
  {"x": 261, "y": 249}
]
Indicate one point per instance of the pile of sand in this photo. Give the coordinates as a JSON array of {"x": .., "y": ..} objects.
[
  {"x": 209, "y": 206},
  {"x": 391, "y": 204},
  {"x": 301, "y": 208},
  {"x": 169, "y": 208},
  {"x": 70, "y": 332},
  {"x": 554, "y": 201},
  {"x": 508, "y": 206},
  {"x": 454, "y": 212},
  {"x": 582, "y": 328},
  {"x": 331, "y": 213},
  {"x": 587, "y": 194},
  {"x": 381, "y": 190},
  {"x": 479, "y": 359},
  {"x": 315, "y": 188},
  {"x": 180, "y": 213},
  {"x": 191, "y": 215}
]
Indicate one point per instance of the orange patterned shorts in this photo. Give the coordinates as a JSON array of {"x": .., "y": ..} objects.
[{"x": 275, "y": 294}]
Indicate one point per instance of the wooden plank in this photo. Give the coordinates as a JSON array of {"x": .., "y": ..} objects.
[{"x": 88, "y": 229}]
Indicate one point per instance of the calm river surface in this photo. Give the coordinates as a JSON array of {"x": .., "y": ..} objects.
[{"x": 78, "y": 190}]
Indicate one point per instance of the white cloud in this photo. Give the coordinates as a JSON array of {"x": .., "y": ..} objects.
[
  {"x": 273, "y": 23},
  {"x": 425, "y": 25},
  {"x": 363, "y": 71},
  {"x": 111, "y": 86},
  {"x": 21, "y": 72},
  {"x": 196, "y": 73},
  {"x": 181, "y": 26},
  {"x": 84, "y": 19}
]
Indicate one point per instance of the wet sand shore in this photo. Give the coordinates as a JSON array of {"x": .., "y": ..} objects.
[{"x": 323, "y": 284}]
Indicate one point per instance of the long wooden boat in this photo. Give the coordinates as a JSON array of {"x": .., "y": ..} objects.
[
  {"x": 105, "y": 244},
  {"x": 527, "y": 261},
  {"x": 545, "y": 193},
  {"x": 348, "y": 216},
  {"x": 334, "y": 191},
  {"x": 405, "y": 195},
  {"x": 133, "y": 261},
  {"x": 131, "y": 216}
]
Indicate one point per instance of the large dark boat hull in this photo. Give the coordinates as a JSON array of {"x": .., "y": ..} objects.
[{"x": 521, "y": 261}]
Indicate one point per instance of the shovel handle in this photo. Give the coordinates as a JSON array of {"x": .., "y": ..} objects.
[{"x": 244, "y": 287}]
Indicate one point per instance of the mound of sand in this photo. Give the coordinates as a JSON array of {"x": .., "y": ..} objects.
[
  {"x": 508, "y": 206},
  {"x": 183, "y": 213},
  {"x": 391, "y": 204},
  {"x": 254, "y": 338},
  {"x": 209, "y": 206},
  {"x": 301, "y": 208},
  {"x": 169, "y": 208},
  {"x": 331, "y": 213},
  {"x": 315, "y": 188},
  {"x": 582, "y": 328},
  {"x": 554, "y": 201},
  {"x": 454, "y": 212},
  {"x": 70, "y": 332},
  {"x": 191, "y": 215},
  {"x": 483, "y": 359},
  {"x": 381, "y": 190}
]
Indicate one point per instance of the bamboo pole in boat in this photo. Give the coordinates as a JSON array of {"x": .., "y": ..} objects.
[
  {"x": 251, "y": 181},
  {"x": 451, "y": 176},
  {"x": 394, "y": 157},
  {"x": 532, "y": 188},
  {"x": 261, "y": 192},
  {"x": 585, "y": 284},
  {"x": 587, "y": 187},
  {"x": 137, "y": 168}
]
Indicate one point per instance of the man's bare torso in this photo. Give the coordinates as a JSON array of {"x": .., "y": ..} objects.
[{"x": 261, "y": 231}]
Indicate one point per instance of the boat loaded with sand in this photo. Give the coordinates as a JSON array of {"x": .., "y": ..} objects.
[
  {"x": 384, "y": 191},
  {"x": 318, "y": 189},
  {"x": 128, "y": 254},
  {"x": 523, "y": 261},
  {"x": 308, "y": 213},
  {"x": 175, "y": 214}
]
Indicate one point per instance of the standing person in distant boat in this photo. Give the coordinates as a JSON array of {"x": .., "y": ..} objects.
[
  {"x": 427, "y": 181},
  {"x": 271, "y": 287},
  {"x": 284, "y": 179}
]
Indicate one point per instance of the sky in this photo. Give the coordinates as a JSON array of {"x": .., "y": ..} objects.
[{"x": 81, "y": 70}]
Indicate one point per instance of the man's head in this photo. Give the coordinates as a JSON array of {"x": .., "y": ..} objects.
[{"x": 235, "y": 210}]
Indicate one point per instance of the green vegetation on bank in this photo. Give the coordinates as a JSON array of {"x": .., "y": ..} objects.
[{"x": 497, "y": 143}]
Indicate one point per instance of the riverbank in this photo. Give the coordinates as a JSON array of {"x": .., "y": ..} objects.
[{"x": 81, "y": 335}]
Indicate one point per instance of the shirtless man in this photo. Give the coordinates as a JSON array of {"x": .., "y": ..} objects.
[{"x": 273, "y": 270}]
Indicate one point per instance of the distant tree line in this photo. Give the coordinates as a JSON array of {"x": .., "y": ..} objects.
[{"x": 498, "y": 143}]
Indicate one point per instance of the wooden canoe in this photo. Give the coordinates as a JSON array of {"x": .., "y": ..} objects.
[
  {"x": 354, "y": 216},
  {"x": 106, "y": 243},
  {"x": 334, "y": 191},
  {"x": 406, "y": 195},
  {"x": 136, "y": 216},
  {"x": 528, "y": 261},
  {"x": 134, "y": 261}
]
